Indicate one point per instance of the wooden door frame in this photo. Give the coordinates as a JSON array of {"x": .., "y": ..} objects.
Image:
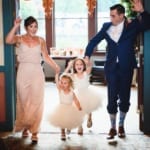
[{"x": 8, "y": 69}]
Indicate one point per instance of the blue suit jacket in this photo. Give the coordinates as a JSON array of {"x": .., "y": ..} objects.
[{"x": 124, "y": 48}]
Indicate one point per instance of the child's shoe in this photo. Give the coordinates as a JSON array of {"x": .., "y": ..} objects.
[
  {"x": 68, "y": 131},
  {"x": 89, "y": 123},
  {"x": 63, "y": 135},
  {"x": 80, "y": 130}
]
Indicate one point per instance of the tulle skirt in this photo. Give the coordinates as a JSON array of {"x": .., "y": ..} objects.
[
  {"x": 90, "y": 98},
  {"x": 66, "y": 116}
]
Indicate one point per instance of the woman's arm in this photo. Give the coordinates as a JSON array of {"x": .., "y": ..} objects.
[
  {"x": 47, "y": 58},
  {"x": 11, "y": 37},
  {"x": 76, "y": 101}
]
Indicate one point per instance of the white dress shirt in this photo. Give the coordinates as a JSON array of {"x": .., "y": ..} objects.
[{"x": 115, "y": 31}]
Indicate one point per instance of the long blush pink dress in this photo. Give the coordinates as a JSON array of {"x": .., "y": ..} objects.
[{"x": 30, "y": 89}]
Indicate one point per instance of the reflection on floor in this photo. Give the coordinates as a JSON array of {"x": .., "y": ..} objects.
[{"x": 93, "y": 139}]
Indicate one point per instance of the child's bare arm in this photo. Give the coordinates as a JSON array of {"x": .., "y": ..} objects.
[
  {"x": 57, "y": 80},
  {"x": 88, "y": 66},
  {"x": 76, "y": 101},
  {"x": 69, "y": 66}
]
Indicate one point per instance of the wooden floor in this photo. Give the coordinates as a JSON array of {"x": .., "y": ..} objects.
[{"x": 93, "y": 139}]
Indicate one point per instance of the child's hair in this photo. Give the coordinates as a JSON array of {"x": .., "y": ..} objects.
[
  {"x": 84, "y": 64},
  {"x": 67, "y": 76}
]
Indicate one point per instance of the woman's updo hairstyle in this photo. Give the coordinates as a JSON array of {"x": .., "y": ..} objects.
[{"x": 29, "y": 20}]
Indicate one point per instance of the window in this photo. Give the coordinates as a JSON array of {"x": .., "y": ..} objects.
[
  {"x": 71, "y": 24},
  {"x": 33, "y": 8},
  {"x": 103, "y": 16},
  {"x": 70, "y": 19}
]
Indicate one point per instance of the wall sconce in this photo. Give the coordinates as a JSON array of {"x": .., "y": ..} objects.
[
  {"x": 91, "y": 6},
  {"x": 48, "y": 7}
]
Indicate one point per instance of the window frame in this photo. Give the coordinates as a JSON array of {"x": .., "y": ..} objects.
[{"x": 92, "y": 30}]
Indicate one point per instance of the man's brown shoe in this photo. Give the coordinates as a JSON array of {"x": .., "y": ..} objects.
[
  {"x": 121, "y": 132},
  {"x": 112, "y": 133}
]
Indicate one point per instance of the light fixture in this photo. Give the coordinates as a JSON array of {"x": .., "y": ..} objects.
[
  {"x": 48, "y": 7},
  {"x": 91, "y": 6}
]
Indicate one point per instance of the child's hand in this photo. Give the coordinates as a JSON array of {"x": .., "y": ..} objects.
[
  {"x": 57, "y": 69},
  {"x": 70, "y": 64},
  {"x": 80, "y": 108},
  {"x": 89, "y": 63},
  {"x": 86, "y": 60}
]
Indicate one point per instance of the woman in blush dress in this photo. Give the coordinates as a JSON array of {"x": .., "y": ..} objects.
[{"x": 30, "y": 76}]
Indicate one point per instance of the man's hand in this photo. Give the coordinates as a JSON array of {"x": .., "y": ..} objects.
[{"x": 137, "y": 6}]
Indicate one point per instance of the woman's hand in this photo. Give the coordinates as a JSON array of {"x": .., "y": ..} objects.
[
  {"x": 11, "y": 37},
  {"x": 80, "y": 108},
  {"x": 17, "y": 22}
]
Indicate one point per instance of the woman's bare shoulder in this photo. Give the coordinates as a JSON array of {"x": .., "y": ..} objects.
[{"x": 41, "y": 38}]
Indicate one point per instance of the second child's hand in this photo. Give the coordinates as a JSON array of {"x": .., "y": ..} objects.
[{"x": 87, "y": 60}]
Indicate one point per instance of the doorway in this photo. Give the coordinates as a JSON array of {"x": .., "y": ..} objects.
[{"x": 101, "y": 121}]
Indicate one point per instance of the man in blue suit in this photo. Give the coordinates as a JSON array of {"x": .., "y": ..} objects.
[{"x": 120, "y": 35}]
